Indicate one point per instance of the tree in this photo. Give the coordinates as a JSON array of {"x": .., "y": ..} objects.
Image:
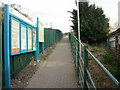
[{"x": 94, "y": 24}]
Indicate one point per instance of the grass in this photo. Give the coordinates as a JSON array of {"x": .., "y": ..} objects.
[
  {"x": 108, "y": 58},
  {"x": 95, "y": 49},
  {"x": 101, "y": 78}
]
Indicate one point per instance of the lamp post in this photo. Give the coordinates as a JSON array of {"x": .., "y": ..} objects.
[{"x": 79, "y": 36}]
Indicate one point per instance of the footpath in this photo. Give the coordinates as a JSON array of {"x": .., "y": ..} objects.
[{"x": 58, "y": 71}]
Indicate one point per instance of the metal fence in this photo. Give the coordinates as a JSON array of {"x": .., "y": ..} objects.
[
  {"x": 51, "y": 36},
  {"x": 81, "y": 53}
]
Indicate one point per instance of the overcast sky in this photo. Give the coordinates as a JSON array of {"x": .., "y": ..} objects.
[{"x": 55, "y": 11}]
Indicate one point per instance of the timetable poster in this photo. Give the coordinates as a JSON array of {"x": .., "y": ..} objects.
[
  {"x": 23, "y": 39},
  {"x": 15, "y": 36},
  {"x": 41, "y": 32},
  {"x": 29, "y": 39},
  {"x": 34, "y": 39}
]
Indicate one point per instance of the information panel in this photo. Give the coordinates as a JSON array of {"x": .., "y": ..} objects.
[
  {"x": 29, "y": 39},
  {"x": 23, "y": 38},
  {"x": 15, "y": 36},
  {"x": 41, "y": 32},
  {"x": 34, "y": 39}
]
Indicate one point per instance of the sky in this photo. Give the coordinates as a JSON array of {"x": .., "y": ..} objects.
[{"x": 55, "y": 11}]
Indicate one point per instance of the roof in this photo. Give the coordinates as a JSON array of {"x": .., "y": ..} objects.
[{"x": 115, "y": 32}]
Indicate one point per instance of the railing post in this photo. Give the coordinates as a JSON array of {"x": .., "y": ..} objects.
[
  {"x": 77, "y": 56},
  {"x": 85, "y": 66}
]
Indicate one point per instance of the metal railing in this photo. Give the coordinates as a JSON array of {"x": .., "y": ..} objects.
[{"x": 81, "y": 61}]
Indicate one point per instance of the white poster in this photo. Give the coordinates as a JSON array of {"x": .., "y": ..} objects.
[
  {"x": 41, "y": 32},
  {"x": 23, "y": 38},
  {"x": 29, "y": 39},
  {"x": 15, "y": 36},
  {"x": 34, "y": 39}
]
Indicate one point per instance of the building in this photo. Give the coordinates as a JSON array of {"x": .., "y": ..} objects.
[{"x": 114, "y": 42}]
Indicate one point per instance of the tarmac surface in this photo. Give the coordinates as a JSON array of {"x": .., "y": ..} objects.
[{"x": 58, "y": 71}]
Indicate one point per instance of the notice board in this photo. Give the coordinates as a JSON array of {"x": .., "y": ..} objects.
[
  {"x": 15, "y": 36},
  {"x": 29, "y": 39}
]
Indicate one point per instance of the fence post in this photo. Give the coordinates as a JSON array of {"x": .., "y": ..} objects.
[{"x": 85, "y": 66}]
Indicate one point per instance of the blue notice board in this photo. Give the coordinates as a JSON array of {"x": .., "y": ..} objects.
[{"x": 20, "y": 36}]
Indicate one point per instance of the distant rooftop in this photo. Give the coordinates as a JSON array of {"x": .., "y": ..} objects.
[{"x": 115, "y": 32}]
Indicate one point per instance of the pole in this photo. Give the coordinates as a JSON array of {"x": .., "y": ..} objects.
[
  {"x": 79, "y": 36},
  {"x": 78, "y": 13},
  {"x": 6, "y": 47},
  {"x": 79, "y": 41},
  {"x": 37, "y": 56}
]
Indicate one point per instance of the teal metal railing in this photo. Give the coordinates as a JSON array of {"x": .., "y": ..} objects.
[{"x": 81, "y": 53}]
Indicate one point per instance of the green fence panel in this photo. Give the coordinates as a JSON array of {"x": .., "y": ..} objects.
[
  {"x": 47, "y": 37},
  {"x": 51, "y": 36},
  {"x": 45, "y": 34},
  {"x": 40, "y": 47},
  {"x": 19, "y": 62}
]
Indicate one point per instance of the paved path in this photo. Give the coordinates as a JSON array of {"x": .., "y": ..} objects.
[{"x": 58, "y": 71}]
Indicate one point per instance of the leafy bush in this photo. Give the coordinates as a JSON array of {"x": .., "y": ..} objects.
[
  {"x": 109, "y": 59},
  {"x": 109, "y": 55}
]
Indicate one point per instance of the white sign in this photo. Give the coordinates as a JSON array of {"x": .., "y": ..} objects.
[
  {"x": 41, "y": 32},
  {"x": 23, "y": 38},
  {"x": 15, "y": 36}
]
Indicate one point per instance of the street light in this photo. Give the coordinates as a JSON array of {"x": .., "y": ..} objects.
[{"x": 79, "y": 38}]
